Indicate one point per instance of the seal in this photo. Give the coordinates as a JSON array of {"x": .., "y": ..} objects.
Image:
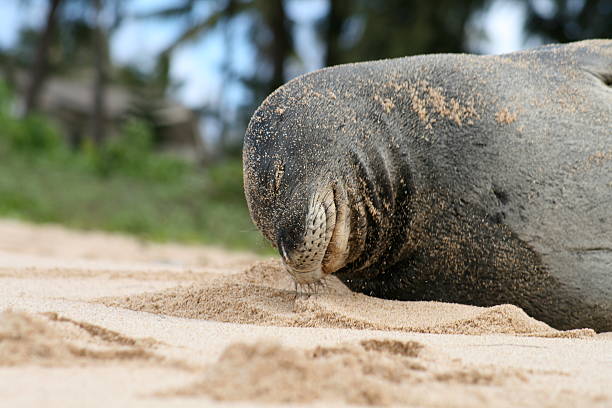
[{"x": 458, "y": 178}]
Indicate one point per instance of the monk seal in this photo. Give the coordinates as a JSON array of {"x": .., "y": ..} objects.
[{"x": 458, "y": 178}]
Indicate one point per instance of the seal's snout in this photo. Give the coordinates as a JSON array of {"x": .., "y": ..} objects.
[{"x": 305, "y": 254}]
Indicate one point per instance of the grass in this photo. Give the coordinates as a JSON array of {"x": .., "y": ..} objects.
[
  {"x": 123, "y": 186},
  {"x": 203, "y": 206}
]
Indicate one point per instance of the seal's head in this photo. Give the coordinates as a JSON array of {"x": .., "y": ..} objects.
[
  {"x": 316, "y": 185},
  {"x": 294, "y": 188},
  {"x": 297, "y": 204}
]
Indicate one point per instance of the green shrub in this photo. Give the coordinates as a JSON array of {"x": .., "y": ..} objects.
[
  {"x": 33, "y": 134},
  {"x": 131, "y": 153},
  {"x": 225, "y": 180},
  {"x": 5, "y": 98}
]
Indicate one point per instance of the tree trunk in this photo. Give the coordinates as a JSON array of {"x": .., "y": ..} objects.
[
  {"x": 40, "y": 66},
  {"x": 281, "y": 43},
  {"x": 226, "y": 72},
  {"x": 333, "y": 30},
  {"x": 101, "y": 78}
]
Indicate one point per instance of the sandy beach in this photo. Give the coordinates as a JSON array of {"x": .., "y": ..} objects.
[{"x": 102, "y": 320}]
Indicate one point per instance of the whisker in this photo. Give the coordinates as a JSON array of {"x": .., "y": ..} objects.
[{"x": 317, "y": 287}]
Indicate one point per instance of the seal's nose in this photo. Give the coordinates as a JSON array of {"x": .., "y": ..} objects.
[
  {"x": 283, "y": 251},
  {"x": 284, "y": 245},
  {"x": 286, "y": 241}
]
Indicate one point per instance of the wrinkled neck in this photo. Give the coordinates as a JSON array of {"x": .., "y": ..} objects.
[{"x": 378, "y": 188}]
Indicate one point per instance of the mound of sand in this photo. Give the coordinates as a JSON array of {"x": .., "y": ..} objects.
[{"x": 263, "y": 295}]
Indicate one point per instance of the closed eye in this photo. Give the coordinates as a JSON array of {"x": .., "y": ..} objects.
[{"x": 279, "y": 172}]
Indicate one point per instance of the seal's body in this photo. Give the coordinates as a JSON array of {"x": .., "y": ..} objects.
[{"x": 457, "y": 178}]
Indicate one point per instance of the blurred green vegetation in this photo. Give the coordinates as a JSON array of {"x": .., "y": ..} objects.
[
  {"x": 120, "y": 182},
  {"x": 123, "y": 185}
]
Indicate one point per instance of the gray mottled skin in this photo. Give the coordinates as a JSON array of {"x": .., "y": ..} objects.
[{"x": 458, "y": 178}]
